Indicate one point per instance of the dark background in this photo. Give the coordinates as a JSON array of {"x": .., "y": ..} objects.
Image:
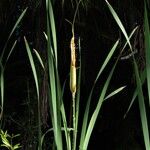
[{"x": 98, "y": 31}]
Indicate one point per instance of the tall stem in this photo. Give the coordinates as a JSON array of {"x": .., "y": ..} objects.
[{"x": 74, "y": 122}]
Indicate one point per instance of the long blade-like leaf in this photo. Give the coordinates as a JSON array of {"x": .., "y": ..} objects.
[
  {"x": 147, "y": 49},
  {"x": 39, "y": 58},
  {"x": 114, "y": 92},
  {"x": 109, "y": 56},
  {"x": 37, "y": 89},
  {"x": 142, "y": 108},
  {"x": 53, "y": 76},
  {"x": 9, "y": 54},
  {"x": 12, "y": 31},
  {"x": 96, "y": 112},
  {"x": 32, "y": 66},
  {"x": 87, "y": 109},
  {"x": 143, "y": 78},
  {"x": 118, "y": 21},
  {"x": 1, "y": 90},
  {"x": 51, "y": 21}
]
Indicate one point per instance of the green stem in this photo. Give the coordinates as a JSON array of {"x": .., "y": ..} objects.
[{"x": 74, "y": 122}]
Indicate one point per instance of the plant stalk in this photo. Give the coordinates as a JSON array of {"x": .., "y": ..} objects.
[{"x": 74, "y": 122}]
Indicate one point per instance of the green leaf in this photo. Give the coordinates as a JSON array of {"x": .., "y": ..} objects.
[
  {"x": 51, "y": 24},
  {"x": 114, "y": 92},
  {"x": 54, "y": 89},
  {"x": 12, "y": 31},
  {"x": 143, "y": 114},
  {"x": 118, "y": 21},
  {"x": 109, "y": 56},
  {"x": 87, "y": 109},
  {"x": 17, "y": 146},
  {"x": 35, "y": 75},
  {"x": 147, "y": 48},
  {"x": 97, "y": 109},
  {"x": 39, "y": 58},
  {"x": 32, "y": 66},
  {"x": 2, "y": 88}
]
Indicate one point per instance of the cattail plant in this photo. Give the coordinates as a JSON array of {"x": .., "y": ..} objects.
[
  {"x": 57, "y": 108},
  {"x": 73, "y": 67},
  {"x": 73, "y": 82}
]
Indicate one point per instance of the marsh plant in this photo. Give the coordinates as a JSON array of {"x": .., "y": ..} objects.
[
  {"x": 60, "y": 125},
  {"x": 67, "y": 136}
]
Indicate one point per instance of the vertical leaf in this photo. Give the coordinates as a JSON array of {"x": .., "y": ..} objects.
[
  {"x": 147, "y": 48},
  {"x": 37, "y": 89}
]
